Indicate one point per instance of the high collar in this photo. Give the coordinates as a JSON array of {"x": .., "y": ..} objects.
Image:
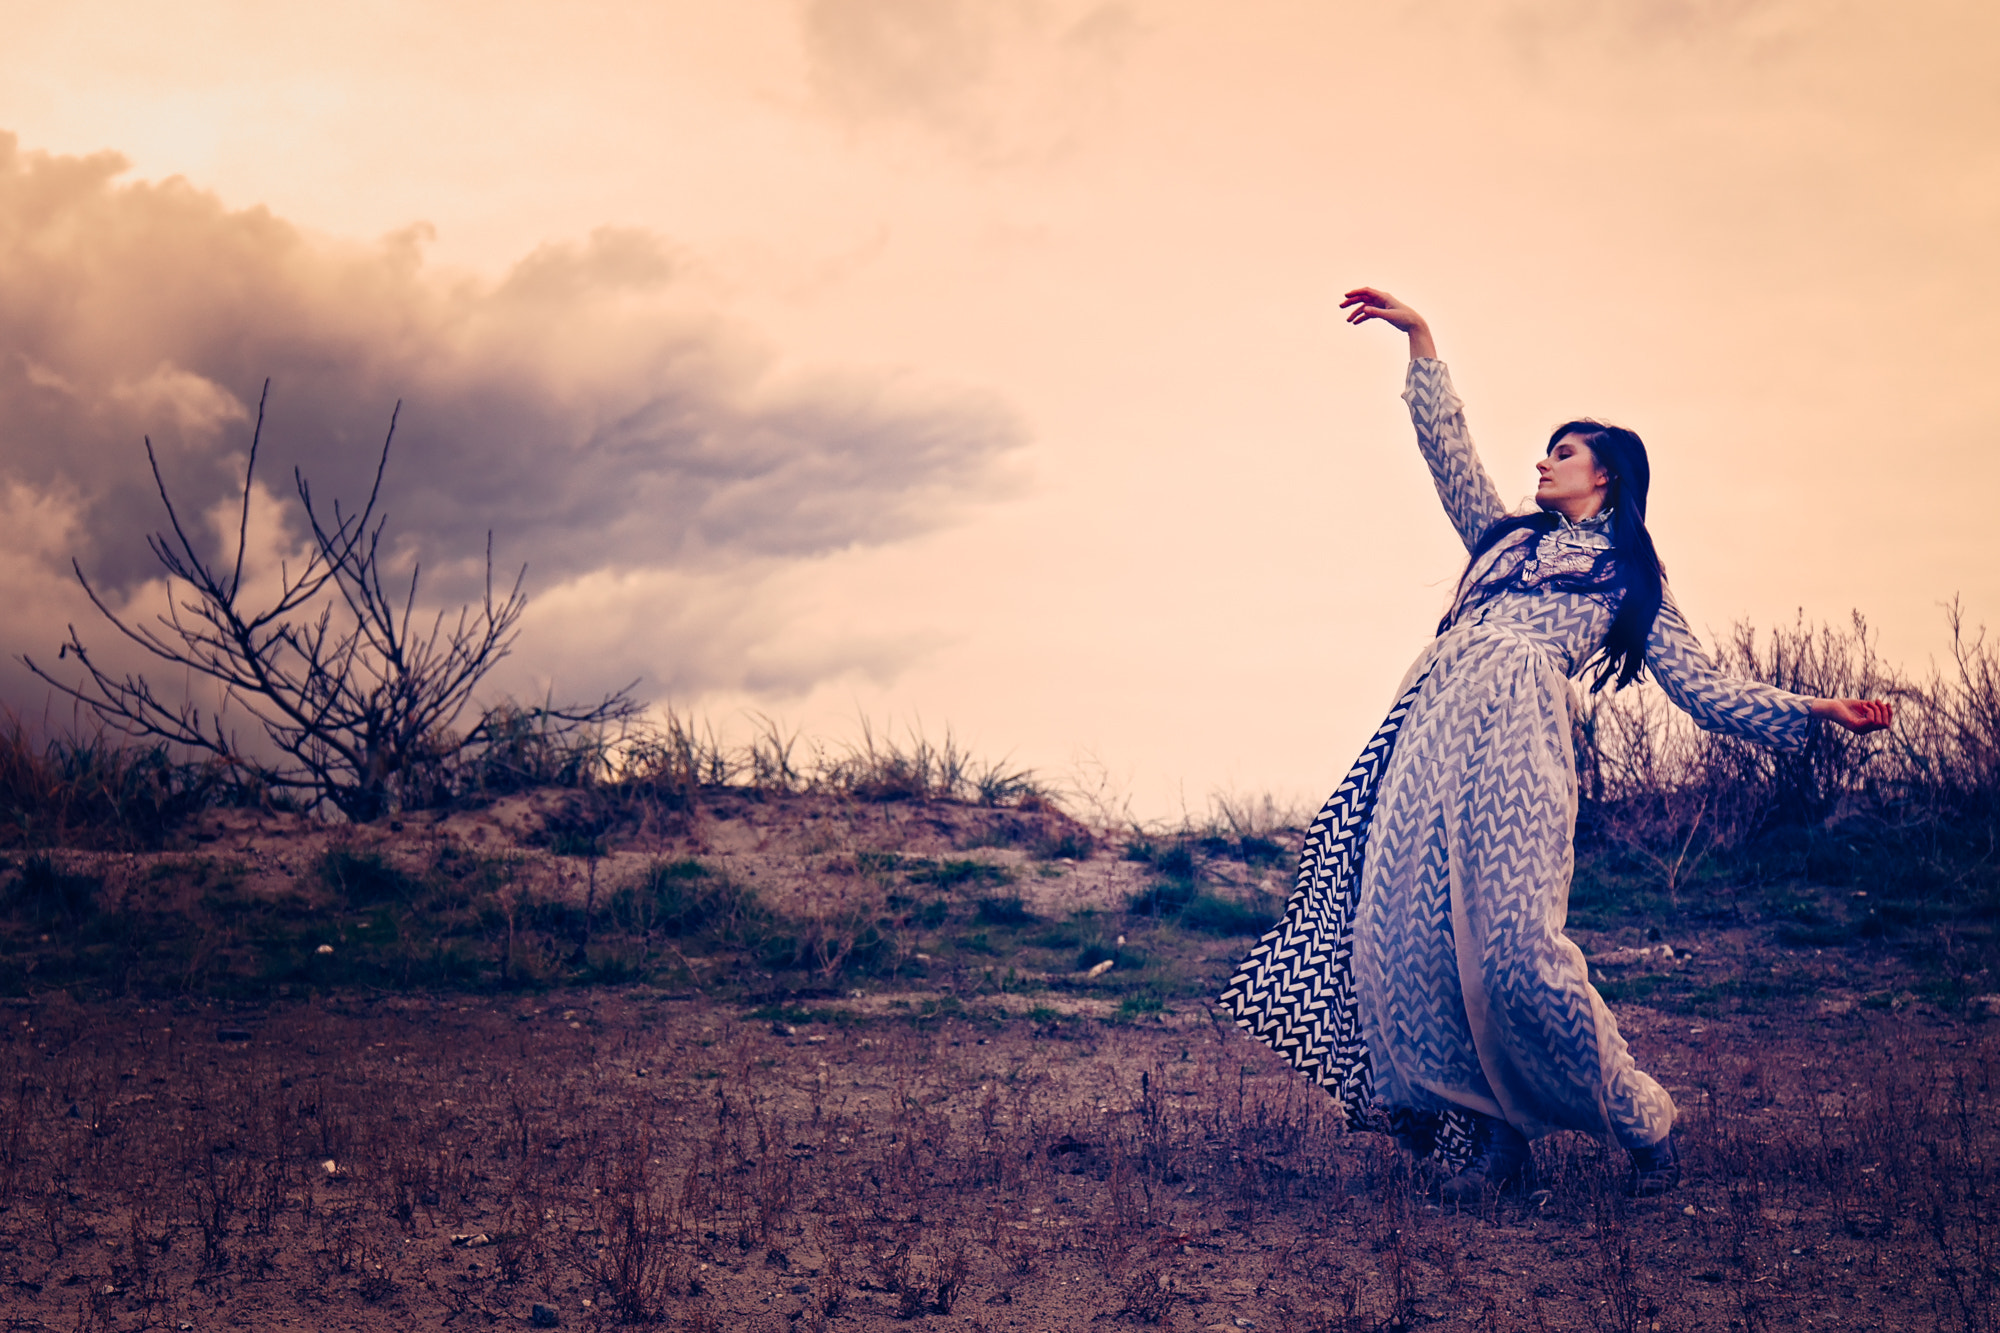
[{"x": 1598, "y": 524}]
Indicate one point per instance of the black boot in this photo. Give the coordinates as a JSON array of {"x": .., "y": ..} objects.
[
  {"x": 1500, "y": 1161},
  {"x": 1655, "y": 1169},
  {"x": 1414, "y": 1131}
]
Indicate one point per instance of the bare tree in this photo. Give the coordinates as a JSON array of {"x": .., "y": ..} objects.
[{"x": 345, "y": 682}]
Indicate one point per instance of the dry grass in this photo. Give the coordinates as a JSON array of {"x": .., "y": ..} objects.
[
  {"x": 96, "y": 790},
  {"x": 665, "y": 1158}
]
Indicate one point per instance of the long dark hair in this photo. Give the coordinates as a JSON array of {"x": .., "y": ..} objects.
[{"x": 1630, "y": 571}]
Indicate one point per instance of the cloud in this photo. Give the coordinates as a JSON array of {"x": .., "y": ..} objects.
[
  {"x": 999, "y": 80},
  {"x": 1725, "y": 26},
  {"x": 584, "y": 408}
]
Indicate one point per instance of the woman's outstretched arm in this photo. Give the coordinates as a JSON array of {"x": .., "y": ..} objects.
[
  {"x": 1857, "y": 715},
  {"x": 1747, "y": 709},
  {"x": 1373, "y": 303}
]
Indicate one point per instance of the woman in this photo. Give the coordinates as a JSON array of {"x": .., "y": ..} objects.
[{"x": 1421, "y": 974}]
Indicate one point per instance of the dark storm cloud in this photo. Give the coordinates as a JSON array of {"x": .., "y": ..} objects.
[{"x": 578, "y": 408}]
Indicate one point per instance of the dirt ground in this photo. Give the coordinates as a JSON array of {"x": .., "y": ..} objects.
[{"x": 927, "y": 1146}]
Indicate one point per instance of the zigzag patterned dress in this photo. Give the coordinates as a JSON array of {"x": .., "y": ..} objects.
[{"x": 1421, "y": 972}]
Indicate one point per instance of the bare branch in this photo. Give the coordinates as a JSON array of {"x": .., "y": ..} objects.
[{"x": 249, "y": 475}]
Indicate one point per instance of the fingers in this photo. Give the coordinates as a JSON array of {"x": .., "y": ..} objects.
[
  {"x": 1371, "y": 296},
  {"x": 1862, "y": 716}
]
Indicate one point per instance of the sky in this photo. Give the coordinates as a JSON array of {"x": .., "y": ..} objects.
[{"x": 975, "y": 364}]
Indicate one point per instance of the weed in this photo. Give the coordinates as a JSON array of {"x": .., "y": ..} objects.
[
  {"x": 686, "y": 900},
  {"x": 955, "y": 874},
  {"x": 48, "y": 897},
  {"x": 1004, "y": 911},
  {"x": 1208, "y": 914},
  {"x": 364, "y": 879}
]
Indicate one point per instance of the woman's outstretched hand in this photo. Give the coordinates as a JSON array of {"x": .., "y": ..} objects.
[
  {"x": 1373, "y": 303},
  {"x": 1860, "y": 716}
]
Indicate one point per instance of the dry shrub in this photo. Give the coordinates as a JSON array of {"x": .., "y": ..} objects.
[{"x": 1921, "y": 800}]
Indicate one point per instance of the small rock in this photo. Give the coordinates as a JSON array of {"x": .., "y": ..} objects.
[
  {"x": 815, "y": 1040},
  {"x": 1661, "y": 953},
  {"x": 783, "y": 1030},
  {"x": 471, "y": 1240},
  {"x": 544, "y": 1316},
  {"x": 1689, "y": 1210},
  {"x": 1986, "y": 1005},
  {"x": 232, "y": 1034},
  {"x": 1092, "y": 973},
  {"x": 324, "y": 948}
]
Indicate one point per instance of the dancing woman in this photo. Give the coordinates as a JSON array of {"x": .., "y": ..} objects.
[{"x": 1421, "y": 973}]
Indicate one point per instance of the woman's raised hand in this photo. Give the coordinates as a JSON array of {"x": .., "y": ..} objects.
[
  {"x": 1374, "y": 303},
  {"x": 1860, "y": 716}
]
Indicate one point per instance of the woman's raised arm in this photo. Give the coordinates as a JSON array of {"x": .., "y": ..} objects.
[{"x": 1462, "y": 484}]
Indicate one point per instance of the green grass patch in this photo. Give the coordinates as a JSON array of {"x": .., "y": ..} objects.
[
  {"x": 1139, "y": 1006},
  {"x": 1207, "y": 914},
  {"x": 1183, "y": 903},
  {"x": 360, "y": 879},
  {"x": 957, "y": 874},
  {"x": 47, "y": 897},
  {"x": 1003, "y": 911}
]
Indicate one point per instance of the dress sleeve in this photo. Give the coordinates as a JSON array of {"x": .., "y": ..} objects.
[
  {"x": 1746, "y": 709},
  {"x": 1468, "y": 494}
]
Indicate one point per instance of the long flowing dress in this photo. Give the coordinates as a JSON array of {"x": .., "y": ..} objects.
[{"x": 1421, "y": 972}]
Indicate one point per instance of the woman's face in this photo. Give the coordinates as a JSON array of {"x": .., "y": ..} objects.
[{"x": 1572, "y": 482}]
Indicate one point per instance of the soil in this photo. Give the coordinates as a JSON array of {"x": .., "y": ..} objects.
[{"x": 925, "y": 1145}]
